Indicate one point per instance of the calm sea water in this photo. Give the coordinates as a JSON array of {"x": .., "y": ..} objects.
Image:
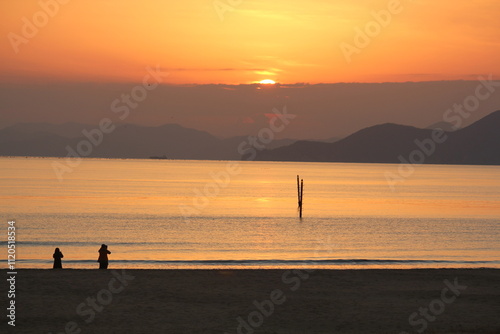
[{"x": 174, "y": 214}]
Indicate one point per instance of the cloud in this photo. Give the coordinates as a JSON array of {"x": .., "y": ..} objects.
[
  {"x": 215, "y": 69},
  {"x": 265, "y": 73}
]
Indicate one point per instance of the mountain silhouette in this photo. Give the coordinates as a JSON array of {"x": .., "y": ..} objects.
[
  {"x": 126, "y": 141},
  {"x": 477, "y": 144}
]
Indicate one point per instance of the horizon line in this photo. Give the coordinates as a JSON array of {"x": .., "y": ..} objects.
[{"x": 257, "y": 84}]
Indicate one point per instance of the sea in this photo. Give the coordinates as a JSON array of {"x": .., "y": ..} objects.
[{"x": 182, "y": 214}]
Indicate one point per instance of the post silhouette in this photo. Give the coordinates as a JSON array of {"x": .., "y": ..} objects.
[{"x": 300, "y": 192}]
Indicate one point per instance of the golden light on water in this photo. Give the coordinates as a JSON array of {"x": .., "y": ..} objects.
[{"x": 252, "y": 218}]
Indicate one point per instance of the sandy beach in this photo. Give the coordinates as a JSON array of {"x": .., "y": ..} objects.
[{"x": 257, "y": 301}]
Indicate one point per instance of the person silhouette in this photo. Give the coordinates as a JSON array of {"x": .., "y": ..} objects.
[
  {"x": 103, "y": 257},
  {"x": 57, "y": 259}
]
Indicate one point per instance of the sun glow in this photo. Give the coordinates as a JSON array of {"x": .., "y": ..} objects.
[{"x": 267, "y": 82}]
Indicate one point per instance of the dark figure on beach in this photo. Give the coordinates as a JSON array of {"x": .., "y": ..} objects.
[
  {"x": 103, "y": 257},
  {"x": 57, "y": 259}
]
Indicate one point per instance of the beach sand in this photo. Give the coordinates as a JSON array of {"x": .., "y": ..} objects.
[{"x": 218, "y": 301}]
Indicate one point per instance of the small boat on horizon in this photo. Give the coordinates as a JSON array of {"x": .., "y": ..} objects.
[{"x": 163, "y": 157}]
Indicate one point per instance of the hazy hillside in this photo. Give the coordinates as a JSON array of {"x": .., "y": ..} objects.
[
  {"x": 126, "y": 141},
  {"x": 478, "y": 143}
]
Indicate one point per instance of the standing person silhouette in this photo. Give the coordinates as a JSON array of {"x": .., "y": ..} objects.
[
  {"x": 57, "y": 259},
  {"x": 103, "y": 257}
]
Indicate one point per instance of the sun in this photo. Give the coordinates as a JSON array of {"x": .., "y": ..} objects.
[{"x": 267, "y": 82}]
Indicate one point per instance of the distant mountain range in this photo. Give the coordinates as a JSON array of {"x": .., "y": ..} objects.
[
  {"x": 477, "y": 144},
  {"x": 126, "y": 141}
]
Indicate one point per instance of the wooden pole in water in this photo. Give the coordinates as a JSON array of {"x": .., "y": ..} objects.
[
  {"x": 300, "y": 193},
  {"x": 301, "y": 196},
  {"x": 298, "y": 189}
]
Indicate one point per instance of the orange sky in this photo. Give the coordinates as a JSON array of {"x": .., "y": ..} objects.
[{"x": 285, "y": 40}]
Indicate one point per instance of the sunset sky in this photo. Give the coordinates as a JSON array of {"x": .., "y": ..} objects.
[
  {"x": 288, "y": 41},
  {"x": 66, "y": 61}
]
